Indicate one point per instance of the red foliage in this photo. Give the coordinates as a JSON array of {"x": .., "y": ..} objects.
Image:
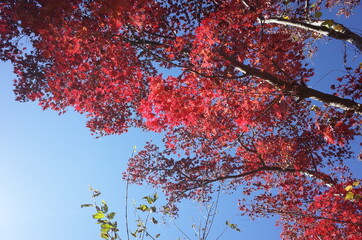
[{"x": 234, "y": 111}]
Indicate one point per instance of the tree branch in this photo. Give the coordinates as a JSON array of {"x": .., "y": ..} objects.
[
  {"x": 318, "y": 175},
  {"x": 186, "y": 68},
  {"x": 295, "y": 88},
  {"x": 315, "y": 217},
  {"x": 202, "y": 183},
  {"x": 343, "y": 33}
]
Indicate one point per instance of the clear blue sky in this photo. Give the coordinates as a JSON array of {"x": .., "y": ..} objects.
[{"x": 47, "y": 163}]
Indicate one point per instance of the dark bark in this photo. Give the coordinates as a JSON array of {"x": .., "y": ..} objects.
[{"x": 296, "y": 89}]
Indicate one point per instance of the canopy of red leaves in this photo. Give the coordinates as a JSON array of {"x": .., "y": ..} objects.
[{"x": 235, "y": 107}]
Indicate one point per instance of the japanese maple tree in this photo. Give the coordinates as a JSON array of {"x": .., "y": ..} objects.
[{"x": 235, "y": 110}]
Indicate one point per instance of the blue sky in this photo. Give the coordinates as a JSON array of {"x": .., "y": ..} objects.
[{"x": 47, "y": 163}]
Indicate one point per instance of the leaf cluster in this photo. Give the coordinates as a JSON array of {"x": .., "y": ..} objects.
[{"x": 108, "y": 227}]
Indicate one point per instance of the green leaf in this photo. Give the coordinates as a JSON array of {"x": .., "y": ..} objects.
[
  {"x": 232, "y": 226},
  {"x": 96, "y": 193},
  {"x": 86, "y": 205},
  {"x": 149, "y": 199},
  {"x": 98, "y": 215},
  {"x": 106, "y": 226},
  {"x": 338, "y": 27},
  {"x": 111, "y": 215},
  {"x": 155, "y": 197},
  {"x": 328, "y": 23},
  {"x": 140, "y": 223},
  {"x": 153, "y": 209},
  {"x": 154, "y": 220},
  {"x": 317, "y": 14},
  {"x": 143, "y": 208},
  {"x": 105, "y": 235},
  {"x": 349, "y": 196},
  {"x": 166, "y": 210},
  {"x": 134, "y": 234},
  {"x": 104, "y": 208}
]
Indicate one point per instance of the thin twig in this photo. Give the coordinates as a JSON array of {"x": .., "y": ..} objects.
[
  {"x": 181, "y": 231},
  {"x": 126, "y": 198},
  {"x": 215, "y": 211}
]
